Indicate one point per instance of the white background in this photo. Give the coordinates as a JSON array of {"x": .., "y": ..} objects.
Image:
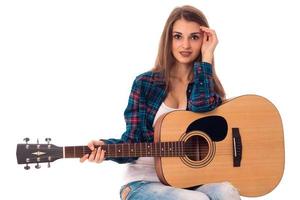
[{"x": 66, "y": 68}]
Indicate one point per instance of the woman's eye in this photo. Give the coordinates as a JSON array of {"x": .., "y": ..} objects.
[
  {"x": 177, "y": 37},
  {"x": 195, "y": 37}
]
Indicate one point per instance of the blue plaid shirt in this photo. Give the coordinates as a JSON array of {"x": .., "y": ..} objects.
[{"x": 147, "y": 94}]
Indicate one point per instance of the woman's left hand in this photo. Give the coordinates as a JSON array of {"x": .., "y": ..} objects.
[{"x": 209, "y": 43}]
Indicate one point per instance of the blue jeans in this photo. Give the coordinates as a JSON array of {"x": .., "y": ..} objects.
[{"x": 145, "y": 190}]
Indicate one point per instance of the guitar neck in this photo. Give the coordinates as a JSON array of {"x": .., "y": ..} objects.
[{"x": 161, "y": 149}]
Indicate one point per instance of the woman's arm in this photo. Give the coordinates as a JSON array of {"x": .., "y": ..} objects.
[
  {"x": 134, "y": 119},
  {"x": 203, "y": 98}
]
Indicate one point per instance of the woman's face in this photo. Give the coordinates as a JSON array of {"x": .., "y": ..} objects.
[{"x": 186, "y": 41}]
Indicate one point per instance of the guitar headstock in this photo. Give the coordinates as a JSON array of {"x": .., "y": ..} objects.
[{"x": 38, "y": 153}]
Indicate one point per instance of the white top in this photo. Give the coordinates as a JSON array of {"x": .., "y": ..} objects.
[{"x": 143, "y": 168}]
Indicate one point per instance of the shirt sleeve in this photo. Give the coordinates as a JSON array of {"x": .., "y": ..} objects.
[
  {"x": 203, "y": 98},
  {"x": 133, "y": 118}
]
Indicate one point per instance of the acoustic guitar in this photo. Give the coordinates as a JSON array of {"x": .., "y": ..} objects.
[{"x": 241, "y": 141}]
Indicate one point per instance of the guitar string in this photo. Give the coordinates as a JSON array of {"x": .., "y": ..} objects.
[
  {"x": 126, "y": 147},
  {"x": 170, "y": 149},
  {"x": 60, "y": 155},
  {"x": 141, "y": 152},
  {"x": 139, "y": 148},
  {"x": 186, "y": 151},
  {"x": 155, "y": 149}
]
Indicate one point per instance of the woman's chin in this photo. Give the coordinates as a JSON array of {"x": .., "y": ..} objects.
[{"x": 184, "y": 61}]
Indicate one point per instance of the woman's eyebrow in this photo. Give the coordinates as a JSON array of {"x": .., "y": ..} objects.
[
  {"x": 194, "y": 33},
  {"x": 177, "y": 32}
]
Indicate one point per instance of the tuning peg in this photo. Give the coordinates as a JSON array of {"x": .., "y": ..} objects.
[
  {"x": 27, "y": 167},
  {"x": 37, "y": 166},
  {"x": 26, "y": 140},
  {"x": 48, "y": 140}
]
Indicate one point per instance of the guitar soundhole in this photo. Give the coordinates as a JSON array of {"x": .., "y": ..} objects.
[{"x": 196, "y": 148}]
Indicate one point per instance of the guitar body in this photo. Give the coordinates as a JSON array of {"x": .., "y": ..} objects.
[{"x": 253, "y": 161}]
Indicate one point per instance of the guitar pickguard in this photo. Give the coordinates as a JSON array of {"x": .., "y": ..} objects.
[{"x": 214, "y": 126}]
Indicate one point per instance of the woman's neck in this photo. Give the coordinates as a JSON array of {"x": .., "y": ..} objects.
[{"x": 182, "y": 72}]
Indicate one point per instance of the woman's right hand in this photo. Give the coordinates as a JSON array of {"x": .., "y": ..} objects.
[
  {"x": 209, "y": 43},
  {"x": 97, "y": 154}
]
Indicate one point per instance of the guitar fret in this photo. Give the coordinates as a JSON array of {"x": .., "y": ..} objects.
[
  {"x": 131, "y": 150},
  {"x": 74, "y": 152},
  {"x": 179, "y": 149},
  {"x": 148, "y": 149},
  {"x": 160, "y": 149},
  {"x": 175, "y": 149},
  {"x": 181, "y": 144},
  {"x": 168, "y": 150},
  {"x": 128, "y": 150},
  {"x": 122, "y": 151},
  {"x": 108, "y": 150},
  {"x": 139, "y": 150},
  {"x": 172, "y": 151}
]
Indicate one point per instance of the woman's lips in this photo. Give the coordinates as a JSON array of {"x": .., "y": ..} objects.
[{"x": 185, "y": 53}]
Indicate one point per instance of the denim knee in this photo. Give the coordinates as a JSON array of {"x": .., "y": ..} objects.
[{"x": 226, "y": 191}]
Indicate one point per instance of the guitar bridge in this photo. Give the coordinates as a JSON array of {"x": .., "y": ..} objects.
[{"x": 237, "y": 147}]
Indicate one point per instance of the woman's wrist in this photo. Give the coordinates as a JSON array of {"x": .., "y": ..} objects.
[{"x": 207, "y": 58}]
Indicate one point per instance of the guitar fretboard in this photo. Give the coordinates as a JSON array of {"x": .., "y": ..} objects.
[{"x": 161, "y": 149}]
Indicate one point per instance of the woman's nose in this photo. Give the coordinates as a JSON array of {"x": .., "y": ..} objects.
[{"x": 186, "y": 43}]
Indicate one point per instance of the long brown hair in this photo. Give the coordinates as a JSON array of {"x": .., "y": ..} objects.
[{"x": 165, "y": 60}]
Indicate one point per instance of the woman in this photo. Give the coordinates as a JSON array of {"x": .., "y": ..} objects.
[{"x": 183, "y": 79}]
